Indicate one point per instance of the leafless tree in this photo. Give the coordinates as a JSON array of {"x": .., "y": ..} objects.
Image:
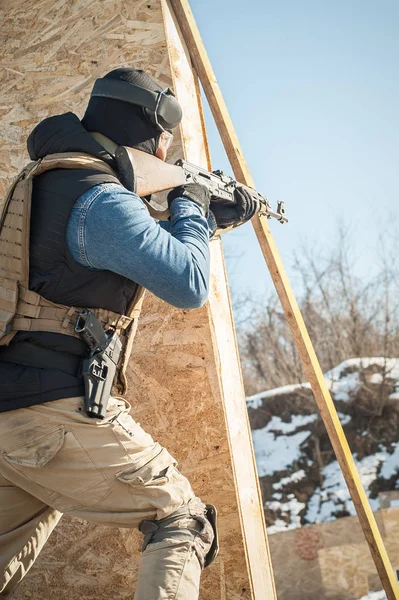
[{"x": 347, "y": 316}]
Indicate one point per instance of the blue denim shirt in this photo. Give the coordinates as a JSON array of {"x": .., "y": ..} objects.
[{"x": 110, "y": 229}]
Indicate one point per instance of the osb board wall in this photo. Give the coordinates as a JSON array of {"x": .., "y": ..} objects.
[
  {"x": 53, "y": 52},
  {"x": 331, "y": 560}
]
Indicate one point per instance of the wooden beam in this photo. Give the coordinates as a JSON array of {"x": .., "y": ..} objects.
[
  {"x": 298, "y": 329},
  {"x": 249, "y": 501}
]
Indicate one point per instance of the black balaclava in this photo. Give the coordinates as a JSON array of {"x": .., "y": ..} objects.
[{"x": 122, "y": 122}]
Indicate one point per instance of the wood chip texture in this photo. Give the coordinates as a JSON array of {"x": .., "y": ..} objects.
[{"x": 52, "y": 53}]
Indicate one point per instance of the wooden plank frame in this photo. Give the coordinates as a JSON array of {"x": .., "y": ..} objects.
[
  {"x": 249, "y": 503},
  {"x": 293, "y": 315}
]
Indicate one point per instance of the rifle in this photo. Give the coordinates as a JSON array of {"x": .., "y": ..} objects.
[{"x": 146, "y": 174}]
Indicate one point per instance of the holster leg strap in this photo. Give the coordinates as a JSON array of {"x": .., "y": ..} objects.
[{"x": 194, "y": 522}]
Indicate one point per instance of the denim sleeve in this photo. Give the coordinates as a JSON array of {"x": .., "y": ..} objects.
[
  {"x": 111, "y": 229},
  {"x": 212, "y": 225}
]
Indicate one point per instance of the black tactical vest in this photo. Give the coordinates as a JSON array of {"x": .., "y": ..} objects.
[
  {"x": 53, "y": 272},
  {"x": 39, "y": 366}
]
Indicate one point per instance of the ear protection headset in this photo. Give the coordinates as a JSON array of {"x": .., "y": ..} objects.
[{"x": 160, "y": 108}]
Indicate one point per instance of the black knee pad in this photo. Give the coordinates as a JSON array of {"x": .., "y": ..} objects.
[
  {"x": 194, "y": 522},
  {"x": 211, "y": 515}
]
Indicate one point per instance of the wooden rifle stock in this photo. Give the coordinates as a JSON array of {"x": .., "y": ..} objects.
[{"x": 145, "y": 174}]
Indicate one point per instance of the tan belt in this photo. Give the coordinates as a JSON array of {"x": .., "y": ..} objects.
[{"x": 35, "y": 313}]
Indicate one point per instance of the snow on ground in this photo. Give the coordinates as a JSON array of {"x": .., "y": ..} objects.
[
  {"x": 342, "y": 388},
  {"x": 334, "y": 497},
  {"x": 342, "y": 385},
  {"x": 344, "y": 418},
  {"x": 275, "y": 451},
  {"x": 339, "y": 383},
  {"x": 391, "y": 464},
  {"x": 283, "y": 455},
  {"x": 277, "y": 425},
  {"x": 297, "y": 476},
  {"x": 375, "y": 596},
  {"x": 390, "y": 365},
  {"x": 279, "y": 525},
  {"x": 376, "y": 378},
  {"x": 292, "y": 508}
]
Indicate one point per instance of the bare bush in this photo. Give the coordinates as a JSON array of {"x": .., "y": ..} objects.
[{"x": 346, "y": 316}]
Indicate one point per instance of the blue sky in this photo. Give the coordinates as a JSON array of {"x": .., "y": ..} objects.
[{"x": 313, "y": 91}]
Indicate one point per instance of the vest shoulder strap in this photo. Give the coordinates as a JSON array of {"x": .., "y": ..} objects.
[
  {"x": 72, "y": 160},
  {"x": 24, "y": 310},
  {"x": 15, "y": 216}
]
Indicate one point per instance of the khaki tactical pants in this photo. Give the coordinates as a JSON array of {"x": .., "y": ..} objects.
[{"x": 54, "y": 460}]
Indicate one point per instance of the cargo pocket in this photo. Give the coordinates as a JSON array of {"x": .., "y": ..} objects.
[
  {"x": 56, "y": 460},
  {"x": 154, "y": 469}
]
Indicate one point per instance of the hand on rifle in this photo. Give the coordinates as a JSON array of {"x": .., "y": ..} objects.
[
  {"x": 234, "y": 214},
  {"x": 197, "y": 193}
]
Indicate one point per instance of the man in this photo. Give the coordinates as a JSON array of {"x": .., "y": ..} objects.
[{"x": 92, "y": 243}]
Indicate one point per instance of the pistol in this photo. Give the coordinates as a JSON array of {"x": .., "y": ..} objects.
[{"x": 99, "y": 368}]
